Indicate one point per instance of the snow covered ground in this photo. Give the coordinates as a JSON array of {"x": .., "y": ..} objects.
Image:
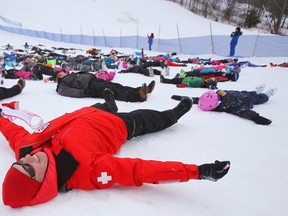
[{"x": 257, "y": 182}]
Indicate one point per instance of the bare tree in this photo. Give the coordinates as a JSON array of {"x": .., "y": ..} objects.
[
  {"x": 228, "y": 12},
  {"x": 271, "y": 14}
]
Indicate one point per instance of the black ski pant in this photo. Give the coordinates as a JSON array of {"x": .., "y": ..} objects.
[
  {"x": 140, "y": 70},
  {"x": 143, "y": 121},
  {"x": 9, "y": 92},
  {"x": 122, "y": 93},
  {"x": 172, "y": 81}
]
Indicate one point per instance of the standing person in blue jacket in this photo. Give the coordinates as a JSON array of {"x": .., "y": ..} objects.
[
  {"x": 235, "y": 36},
  {"x": 150, "y": 40}
]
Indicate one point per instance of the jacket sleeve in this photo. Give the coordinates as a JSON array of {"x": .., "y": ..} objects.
[
  {"x": 108, "y": 170},
  {"x": 249, "y": 114},
  {"x": 13, "y": 133},
  {"x": 255, "y": 117}
]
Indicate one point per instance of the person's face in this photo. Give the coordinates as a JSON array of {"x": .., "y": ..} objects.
[
  {"x": 27, "y": 60},
  {"x": 38, "y": 163},
  {"x": 61, "y": 74}
]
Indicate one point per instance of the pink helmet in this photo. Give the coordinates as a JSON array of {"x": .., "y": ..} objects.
[
  {"x": 57, "y": 69},
  {"x": 208, "y": 101}
]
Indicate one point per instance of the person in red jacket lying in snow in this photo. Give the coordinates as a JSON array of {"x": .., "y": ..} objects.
[{"x": 76, "y": 151}]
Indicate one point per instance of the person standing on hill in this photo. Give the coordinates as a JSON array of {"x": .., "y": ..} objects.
[
  {"x": 150, "y": 40},
  {"x": 235, "y": 36}
]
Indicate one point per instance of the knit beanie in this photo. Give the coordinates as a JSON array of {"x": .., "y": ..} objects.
[{"x": 18, "y": 189}]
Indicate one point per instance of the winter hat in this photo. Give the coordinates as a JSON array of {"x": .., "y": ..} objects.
[
  {"x": 110, "y": 75},
  {"x": 18, "y": 189},
  {"x": 57, "y": 69}
]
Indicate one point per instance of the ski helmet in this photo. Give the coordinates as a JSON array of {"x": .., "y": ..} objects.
[{"x": 208, "y": 101}]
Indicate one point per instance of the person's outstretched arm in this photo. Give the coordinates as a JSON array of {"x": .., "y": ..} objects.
[
  {"x": 179, "y": 97},
  {"x": 255, "y": 117},
  {"x": 106, "y": 170},
  {"x": 13, "y": 133}
]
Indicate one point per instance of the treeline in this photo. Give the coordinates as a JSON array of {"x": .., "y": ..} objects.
[{"x": 268, "y": 15}]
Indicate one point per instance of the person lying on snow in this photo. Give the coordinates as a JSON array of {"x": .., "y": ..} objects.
[
  {"x": 76, "y": 151},
  {"x": 79, "y": 85},
  {"x": 192, "y": 82},
  {"x": 284, "y": 64},
  {"x": 150, "y": 71},
  {"x": 222, "y": 73},
  {"x": 238, "y": 103}
]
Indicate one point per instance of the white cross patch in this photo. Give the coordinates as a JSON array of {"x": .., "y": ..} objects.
[{"x": 104, "y": 178}]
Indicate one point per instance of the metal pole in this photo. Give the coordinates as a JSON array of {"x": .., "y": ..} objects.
[
  {"x": 104, "y": 37},
  {"x": 81, "y": 34},
  {"x": 137, "y": 38},
  {"x": 158, "y": 38},
  {"x": 179, "y": 38},
  {"x": 93, "y": 38},
  {"x": 60, "y": 34},
  {"x": 256, "y": 43},
  {"x": 120, "y": 44},
  {"x": 211, "y": 36}
]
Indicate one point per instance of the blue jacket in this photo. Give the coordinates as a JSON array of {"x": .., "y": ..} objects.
[
  {"x": 235, "y": 36},
  {"x": 150, "y": 39}
]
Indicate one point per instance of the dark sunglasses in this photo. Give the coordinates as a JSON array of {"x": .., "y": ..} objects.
[{"x": 28, "y": 168}]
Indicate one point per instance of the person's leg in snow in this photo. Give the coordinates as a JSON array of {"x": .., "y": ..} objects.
[
  {"x": 144, "y": 121},
  {"x": 14, "y": 90},
  {"x": 109, "y": 105}
]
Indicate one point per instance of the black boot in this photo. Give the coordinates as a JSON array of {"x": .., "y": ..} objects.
[
  {"x": 110, "y": 103},
  {"x": 21, "y": 83},
  {"x": 183, "y": 107},
  {"x": 143, "y": 92}
]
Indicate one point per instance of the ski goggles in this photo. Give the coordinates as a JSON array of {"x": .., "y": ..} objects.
[{"x": 27, "y": 167}]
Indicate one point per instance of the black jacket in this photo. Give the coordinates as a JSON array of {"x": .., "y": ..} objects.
[{"x": 75, "y": 84}]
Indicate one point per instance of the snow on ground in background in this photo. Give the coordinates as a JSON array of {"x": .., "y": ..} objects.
[
  {"x": 112, "y": 17},
  {"x": 256, "y": 184}
]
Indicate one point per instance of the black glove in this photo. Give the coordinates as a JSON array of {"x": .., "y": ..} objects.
[
  {"x": 214, "y": 171},
  {"x": 261, "y": 120},
  {"x": 195, "y": 100},
  {"x": 176, "y": 97}
]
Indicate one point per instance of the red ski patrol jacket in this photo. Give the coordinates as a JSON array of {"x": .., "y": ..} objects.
[{"x": 83, "y": 144}]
